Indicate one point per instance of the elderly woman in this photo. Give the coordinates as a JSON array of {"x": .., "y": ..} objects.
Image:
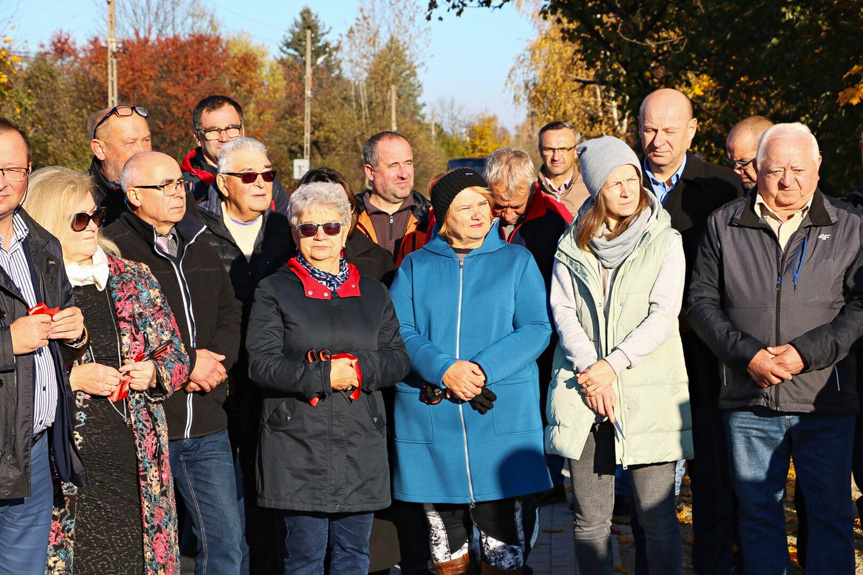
[
  {"x": 619, "y": 387},
  {"x": 323, "y": 341},
  {"x": 468, "y": 432},
  {"x": 125, "y": 521}
]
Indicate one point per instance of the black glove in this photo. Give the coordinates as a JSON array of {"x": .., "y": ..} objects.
[{"x": 484, "y": 401}]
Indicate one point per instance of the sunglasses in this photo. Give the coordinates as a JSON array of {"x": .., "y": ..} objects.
[
  {"x": 81, "y": 220},
  {"x": 311, "y": 230},
  {"x": 122, "y": 111},
  {"x": 251, "y": 177}
]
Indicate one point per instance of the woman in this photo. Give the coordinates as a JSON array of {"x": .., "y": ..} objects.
[
  {"x": 323, "y": 341},
  {"x": 619, "y": 386},
  {"x": 468, "y": 432},
  {"x": 125, "y": 521}
]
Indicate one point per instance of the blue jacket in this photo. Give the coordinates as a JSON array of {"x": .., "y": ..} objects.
[{"x": 489, "y": 309}]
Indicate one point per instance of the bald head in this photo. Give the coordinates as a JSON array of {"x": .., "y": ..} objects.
[
  {"x": 666, "y": 128},
  {"x": 161, "y": 208},
  {"x": 116, "y": 140},
  {"x": 741, "y": 146}
]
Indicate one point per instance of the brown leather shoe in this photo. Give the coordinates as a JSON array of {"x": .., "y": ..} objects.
[
  {"x": 492, "y": 570},
  {"x": 460, "y": 566}
]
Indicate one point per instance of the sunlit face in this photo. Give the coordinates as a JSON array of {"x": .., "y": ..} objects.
[
  {"x": 247, "y": 201},
  {"x": 222, "y": 118},
  {"x": 80, "y": 246},
  {"x": 510, "y": 210},
  {"x": 468, "y": 218},
  {"x": 153, "y": 206},
  {"x": 666, "y": 129},
  {"x": 117, "y": 140},
  {"x": 788, "y": 173},
  {"x": 621, "y": 193},
  {"x": 741, "y": 149},
  {"x": 557, "y": 148},
  {"x": 321, "y": 250},
  {"x": 13, "y": 154},
  {"x": 393, "y": 178}
]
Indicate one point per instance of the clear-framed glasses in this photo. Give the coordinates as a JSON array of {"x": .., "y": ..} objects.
[{"x": 213, "y": 134}]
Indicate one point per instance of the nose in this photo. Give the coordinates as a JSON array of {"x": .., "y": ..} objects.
[
  {"x": 223, "y": 136},
  {"x": 787, "y": 179}
]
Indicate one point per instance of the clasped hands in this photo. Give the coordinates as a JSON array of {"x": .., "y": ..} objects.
[
  {"x": 773, "y": 365},
  {"x": 343, "y": 374},
  {"x": 32, "y": 332},
  {"x": 596, "y": 384},
  {"x": 466, "y": 380},
  {"x": 98, "y": 379}
]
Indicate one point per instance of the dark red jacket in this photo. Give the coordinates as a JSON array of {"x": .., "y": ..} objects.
[{"x": 544, "y": 222}]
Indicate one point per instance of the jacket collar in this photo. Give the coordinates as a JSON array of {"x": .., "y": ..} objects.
[
  {"x": 491, "y": 243},
  {"x": 821, "y": 212},
  {"x": 188, "y": 228},
  {"x": 420, "y": 211},
  {"x": 103, "y": 183},
  {"x": 312, "y": 288},
  {"x": 195, "y": 163}
]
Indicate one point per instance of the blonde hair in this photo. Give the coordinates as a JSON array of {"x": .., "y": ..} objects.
[
  {"x": 52, "y": 197},
  {"x": 445, "y": 231}
]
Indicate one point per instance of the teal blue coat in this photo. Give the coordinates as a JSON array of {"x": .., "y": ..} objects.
[{"x": 490, "y": 309}]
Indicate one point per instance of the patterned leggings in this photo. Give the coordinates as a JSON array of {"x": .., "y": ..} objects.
[{"x": 500, "y": 529}]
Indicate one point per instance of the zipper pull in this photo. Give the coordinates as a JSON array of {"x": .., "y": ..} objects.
[{"x": 778, "y": 281}]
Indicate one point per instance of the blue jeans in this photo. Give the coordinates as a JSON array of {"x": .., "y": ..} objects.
[
  {"x": 26, "y": 522},
  {"x": 203, "y": 470},
  {"x": 306, "y": 542},
  {"x": 761, "y": 443}
]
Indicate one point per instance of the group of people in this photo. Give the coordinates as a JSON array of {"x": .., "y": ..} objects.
[{"x": 341, "y": 382}]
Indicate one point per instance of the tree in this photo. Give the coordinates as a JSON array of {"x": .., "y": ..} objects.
[
  {"x": 485, "y": 135},
  {"x": 164, "y": 18},
  {"x": 293, "y": 46}
]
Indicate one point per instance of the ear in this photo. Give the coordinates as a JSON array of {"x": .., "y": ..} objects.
[
  {"x": 133, "y": 197},
  {"x": 370, "y": 172},
  {"x": 692, "y": 127},
  {"x": 198, "y": 142},
  {"x": 98, "y": 148},
  {"x": 222, "y": 184}
]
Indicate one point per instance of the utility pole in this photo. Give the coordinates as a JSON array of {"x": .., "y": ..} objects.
[
  {"x": 307, "y": 121},
  {"x": 434, "y": 131},
  {"x": 393, "y": 107},
  {"x": 112, "y": 54}
]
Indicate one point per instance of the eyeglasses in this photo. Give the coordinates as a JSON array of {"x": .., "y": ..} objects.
[
  {"x": 81, "y": 220},
  {"x": 552, "y": 151},
  {"x": 170, "y": 189},
  {"x": 213, "y": 134},
  {"x": 252, "y": 177},
  {"x": 122, "y": 111},
  {"x": 15, "y": 175},
  {"x": 311, "y": 230},
  {"x": 738, "y": 164}
]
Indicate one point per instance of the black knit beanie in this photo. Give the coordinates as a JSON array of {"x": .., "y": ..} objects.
[{"x": 448, "y": 187}]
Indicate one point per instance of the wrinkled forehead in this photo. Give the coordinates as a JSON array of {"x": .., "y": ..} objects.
[
  {"x": 122, "y": 127},
  {"x": 247, "y": 160},
  {"x": 394, "y": 150},
  {"x": 790, "y": 149}
]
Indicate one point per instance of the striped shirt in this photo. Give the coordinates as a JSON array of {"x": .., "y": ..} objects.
[{"x": 14, "y": 263}]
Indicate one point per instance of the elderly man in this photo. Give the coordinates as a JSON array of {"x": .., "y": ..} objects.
[
  {"x": 559, "y": 176},
  {"x": 742, "y": 145},
  {"x": 691, "y": 189},
  {"x": 248, "y": 234},
  {"x": 36, "y": 401},
  {"x": 216, "y": 120},
  {"x": 391, "y": 208},
  {"x": 777, "y": 294},
  {"x": 158, "y": 233}
]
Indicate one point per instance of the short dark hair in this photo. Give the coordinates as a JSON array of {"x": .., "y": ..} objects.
[
  {"x": 370, "y": 148},
  {"x": 212, "y": 103},
  {"x": 10, "y": 126},
  {"x": 561, "y": 126}
]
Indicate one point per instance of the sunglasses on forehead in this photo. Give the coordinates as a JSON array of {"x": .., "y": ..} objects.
[
  {"x": 250, "y": 177},
  {"x": 81, "y": 220},
  {"x": 122, "y": 111},
  {"x": 310, "y": 230}
]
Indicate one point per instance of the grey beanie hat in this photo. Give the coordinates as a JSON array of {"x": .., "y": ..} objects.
[{"x": 601, "y": 156}]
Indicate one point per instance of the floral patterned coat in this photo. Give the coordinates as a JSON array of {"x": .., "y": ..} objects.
[{"x": 144, "y": 320}]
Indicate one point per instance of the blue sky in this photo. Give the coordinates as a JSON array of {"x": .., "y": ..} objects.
[{"x": 468, "y": 58}]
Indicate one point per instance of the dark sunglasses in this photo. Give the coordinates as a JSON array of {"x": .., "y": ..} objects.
[
  {"x": 81, "y": 220},
  {"x": 122, "y": 111},
  {"x": 311, "y": 230},
  {"x": 251, "y": 177}
]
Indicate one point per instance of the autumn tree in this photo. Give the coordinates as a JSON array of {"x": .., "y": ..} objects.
[{"x": 485, "y": 135}]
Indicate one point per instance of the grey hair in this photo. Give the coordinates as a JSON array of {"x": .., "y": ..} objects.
[
  {"x": 510, "y": 168},
  {"x": 315, "y": 195},
  {"x": 780, "y": 130},
  {"x": 237, "y": 144}
]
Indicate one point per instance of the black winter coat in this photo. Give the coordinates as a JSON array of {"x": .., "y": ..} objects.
[
  {"x": 207, "y": 313},
  {"x": 17, "y": 375},
  {"x": 332, "y": 457}
]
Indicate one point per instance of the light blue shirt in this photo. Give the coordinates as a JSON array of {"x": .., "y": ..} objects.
[{"x": 659, "y": 188}]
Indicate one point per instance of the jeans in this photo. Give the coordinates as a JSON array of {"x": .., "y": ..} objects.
[
  {"x": 653, "y": 497},
  {"x": 761, "y": 443},
  {"x": 203, "y": 470},
  {"x": 26, "y": 522},
  {"x": 306, "y": 542}
]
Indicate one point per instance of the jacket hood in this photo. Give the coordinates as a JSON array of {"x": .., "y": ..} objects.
[
  {"x": 491, "y": 243},
  {"x": 195, "y": 163}
]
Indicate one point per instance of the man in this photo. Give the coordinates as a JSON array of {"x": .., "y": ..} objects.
[
  {"x": 559, "y": 176},
  {"x": 157, "y": 232},
  {"x": 248, "y": 235},
  {"x": 776, "y": 292},
  {"x": 741, "y": 146},
  {"x": 36, "y": 401},
  {"x": 391, "y": 208},
  {"x": 216, "y": 120},
  {"x": 116, "y": 134},
  {"x": 691, "y": 189}
]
